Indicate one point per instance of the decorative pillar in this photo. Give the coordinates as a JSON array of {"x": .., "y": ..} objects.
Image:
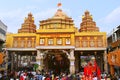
[
  {"x": 33, "y": 42},
  {"x": 88, "y": 41},
  {"x": 17, "y": 61},
  {"x": 77, "y": 62},
  {"x": 101, "y": 58},
  {"x": 6, "y": 58},
  {"x": 95, "y": 39},
  {"x": 39, "y": 59},
  {"x": 105, "y": 62},
  {"x": 72, "y": 61},
  {"x": 80, "y": 41},
  {"x": 20, "y": 60},
  {"x": 12, "y": 60},
  {"x": 26, "y": 39}
]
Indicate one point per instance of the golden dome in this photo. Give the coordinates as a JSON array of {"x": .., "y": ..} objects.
[{"x": 60, "y": 14}]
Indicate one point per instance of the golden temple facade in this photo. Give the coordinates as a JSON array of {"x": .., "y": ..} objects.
[{"x": 57, "y": 39}]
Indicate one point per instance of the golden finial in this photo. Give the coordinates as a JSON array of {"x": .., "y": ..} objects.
[
  {"x": 25, "y": 19},
  {"x": 83, "y": 16},
  {"x": 32, "y": 18},
  {"x": 91, "y": 16}
]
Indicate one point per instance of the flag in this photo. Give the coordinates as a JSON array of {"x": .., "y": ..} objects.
[{"x": 59, "y": 4}]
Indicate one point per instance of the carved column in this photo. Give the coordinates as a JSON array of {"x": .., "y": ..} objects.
[
  {"x": 95, "y": 39},
  {"x": 80, "y": 41},
  {"x": 20, "y": 64},
  {"x": 105, "y": 62},
  {"x": 17, "y": 60},
  {"x": 72, "y": 61},
  {"x": 26, "y": 39},
  {"x": 77, "y": 61},
  {"x": 33, "y": 42},
  {"x": 6, "y": 52},
  {"x": 39, "y": 59},
  {"x": 88, "y": 41},
  {"x": 12, "y": 60}
]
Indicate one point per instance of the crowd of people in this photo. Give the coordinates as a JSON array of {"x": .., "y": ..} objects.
[
  {"x": 91, "y": 72},
  {"x": 40, "y": 75}
]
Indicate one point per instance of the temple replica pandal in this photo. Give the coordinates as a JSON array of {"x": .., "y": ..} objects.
[{"x": 57, "y": 44}]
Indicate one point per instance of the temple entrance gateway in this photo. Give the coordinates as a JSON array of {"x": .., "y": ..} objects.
[
  {"x": 58, "y": 43},
  {"x": 57, "y": 63}
]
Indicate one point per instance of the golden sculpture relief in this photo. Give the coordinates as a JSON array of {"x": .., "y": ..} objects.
[
  {"x": 15, "y": 43},
  {"x": 22, "y": 43},
  {"x": 84, "y": 44},
  {"x": 92, "y": 44},
  {"x": 29, "y": 44},
  {"x": 99, "y": 43}
]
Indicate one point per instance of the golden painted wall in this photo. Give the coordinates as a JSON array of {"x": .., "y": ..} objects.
[
  {"x": 21, "y": 40},
  {"x": 90, "y": 39}
]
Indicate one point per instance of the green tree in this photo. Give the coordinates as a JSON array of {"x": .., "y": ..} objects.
[{"x": 35, "y": 67}]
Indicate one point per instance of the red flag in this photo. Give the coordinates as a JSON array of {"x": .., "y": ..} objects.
[{"x": 59, "y": 4}]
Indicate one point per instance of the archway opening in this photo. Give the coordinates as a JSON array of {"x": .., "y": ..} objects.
[{"x": 58, "y": 63}]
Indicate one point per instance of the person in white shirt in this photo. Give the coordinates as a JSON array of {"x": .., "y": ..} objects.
[{"x": 94, "y": 78}]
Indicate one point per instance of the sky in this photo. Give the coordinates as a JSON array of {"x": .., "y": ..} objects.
[{"x": 106, "y": 13}]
